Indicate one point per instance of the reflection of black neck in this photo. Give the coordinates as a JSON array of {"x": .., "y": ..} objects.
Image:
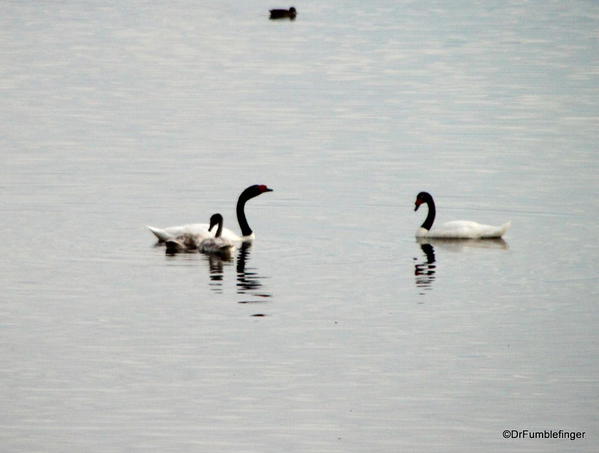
[
  {"x": 430, "y": 218},
  {"x": 246, "y": 279},
  {"x": 429, "y": 251},
  {"x": 243, "y": 223},
  {"x": 244, "y": 252},
  {"x": 425, "y": 272}
]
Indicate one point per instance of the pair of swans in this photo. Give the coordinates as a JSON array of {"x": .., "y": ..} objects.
[
  {"x": 190, "y": 242},
  {"x": 200, "y": 237},
  {"x": 195, "y": 236}
]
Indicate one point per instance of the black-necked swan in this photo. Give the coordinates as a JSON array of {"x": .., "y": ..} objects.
[
  {"x": 202, "y": 229},
  {"x": 457, "y": 229},
  {"x": 283, "y": 13},
  {"x": 216, "y": 245}
]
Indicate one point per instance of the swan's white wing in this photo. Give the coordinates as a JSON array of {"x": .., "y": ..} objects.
[
  {"x": 465, "y": 229},
  {"x": 163, "y": 234},
  {"x": 198, "y": 229},
  {"x": 234, "y": 237}
]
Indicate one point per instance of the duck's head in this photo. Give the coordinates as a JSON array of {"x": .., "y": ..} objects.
[
  {"x": 292, "y": 12},
  {"x": 422, "y": 197}
]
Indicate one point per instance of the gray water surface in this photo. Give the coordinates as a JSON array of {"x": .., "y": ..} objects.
[{"x": 335, "y": 331}]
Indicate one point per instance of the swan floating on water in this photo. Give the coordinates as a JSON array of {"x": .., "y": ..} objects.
[
  {"x": 202, "y": 231},
  {"x": 457, "y": 229},
  {"x": 216, "y": 245}
]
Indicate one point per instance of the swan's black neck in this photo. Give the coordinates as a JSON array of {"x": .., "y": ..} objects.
[
  {"x": 219, "y": 230},
  {"x": 430, "y": 218},
  {"x": 216, "y": 221},
  {"x": 243, "y": 223}
]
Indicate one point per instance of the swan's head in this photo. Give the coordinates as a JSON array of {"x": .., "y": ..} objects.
[
  {"x": 215, "y": 220},
  {"x": 262, "y": 188},
  {"x": 292, "y": 12},
  {"x": 422, "y": 197},
  {"x": 254, "y": 191}
]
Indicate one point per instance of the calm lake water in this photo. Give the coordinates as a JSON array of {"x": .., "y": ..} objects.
[{"x": 336, "y": 331}]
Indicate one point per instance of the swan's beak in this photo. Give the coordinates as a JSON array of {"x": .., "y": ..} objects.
[
  {"x": 417, "y": 204},
  {"x": 268, "y": 189},
  {"x": 212, "y": 225}
]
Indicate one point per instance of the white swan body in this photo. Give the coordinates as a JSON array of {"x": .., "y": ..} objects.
[
  {"x": 196, "y": 229},
  {"x": 203, "y": 229},
  {"x": 464, "y": 229},
  {"x": 457, "y": 229}
]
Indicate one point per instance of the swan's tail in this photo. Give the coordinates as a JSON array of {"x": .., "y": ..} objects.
[
  {"x": 495, "y": 232},
  {"x": 159, "y": 233},
  {"x": 503, "y": 228}
]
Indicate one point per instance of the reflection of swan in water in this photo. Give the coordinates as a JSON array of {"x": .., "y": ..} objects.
[
  {"x": 458, "y": 245},
  {"x": 216, "y": 265},
  {"x": 248, "y": 280},
  {"x": 425, "y": 271}
]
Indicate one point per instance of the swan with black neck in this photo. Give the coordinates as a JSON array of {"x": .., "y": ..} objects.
[
  {"x": 216, "y": 245},
  {"x": 456, "y": 229}
]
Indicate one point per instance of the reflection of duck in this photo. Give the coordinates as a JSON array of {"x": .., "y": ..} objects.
[
  {"x": 425, "y": 271},
  {"x": 457, "y": 229},
  {"x": 248, "y": 281},
  {"x": 283, "y": 13},
  {"x": 201, "y": 229}
]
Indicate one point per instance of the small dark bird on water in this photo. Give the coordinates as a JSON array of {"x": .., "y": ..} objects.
[{"x": 283, "y": 13}]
